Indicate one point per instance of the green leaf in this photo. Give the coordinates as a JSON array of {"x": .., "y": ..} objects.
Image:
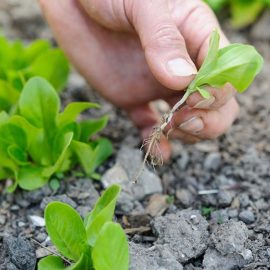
[
  {"x": 66, "y": 229},
  {"x": 103, "y": 150},
  {"x": 8, "y": 95},
  {"x": 65, "y": 143},
  {"x": 91, "y": 127},
  {"x": 31, "y": 177},
  {"x": 12, "y": 134},
  {"x": 237, "y": 64},
  {"x": 72, "y": 111},
  {"x": 245, "y": 12},
  {"x": 204, "y": 93},
  {"x": 216, "y": 5},
  {"x": 84, "y": 263},
  {"x": 54, "y": 184},
  {"x": 53, "y": 66},
  {"x": 17, "y": 154},
  {"x": 51, "y": 263},
  {"x": 111, "y": 249},
  {"x": 85, "y": 155},
  {"x": 35, "y": 49},
  {"x": 39, "y": 104},
  {"x": 102, "y": 213}
]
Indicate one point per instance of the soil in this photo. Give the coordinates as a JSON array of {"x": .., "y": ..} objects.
[{"x": 209, "y": 208}]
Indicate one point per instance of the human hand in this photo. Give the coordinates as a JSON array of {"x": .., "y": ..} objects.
[{"x": 137, "y": 51}]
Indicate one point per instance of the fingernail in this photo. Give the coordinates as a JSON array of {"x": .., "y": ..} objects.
[
  {"x": 180, "y": 67},
  {"x": 205, "y": 103},
  {"x": 193, "y": 125}
]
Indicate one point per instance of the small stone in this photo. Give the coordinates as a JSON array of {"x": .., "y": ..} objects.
[
  {"x": 83, "y": 210},
  {"x": 21, "y": 224},
  {"x": 14, "y": 207},
  {"x": 244, "y": 200},
  {"x": 185, "y": 234},
  {"x": 115, "y": 175},
  {"x": 212, "y": 161},
  {"x": 2, "y": 220},
  {"x": 213, "y": 260},
  {"x": 21, "y": 252},
  {"x": 154, "y": 258},
  {"x": 185, "y": 197},
  {"x": 41, "y": 237},
  {"x": 225, "y": 198},
  {"x": 247, "y": 216},
  {"x": 230, "y": 237},
  {"x": 219, "y": 216},
  {"x": 183, "y": 160},
  {"x": 59, "y": 198},
  {"x": 233, "y": 213},
  {"x": 37, "y": 221}
]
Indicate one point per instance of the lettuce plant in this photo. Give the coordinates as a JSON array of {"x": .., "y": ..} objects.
[
  {"x": 18, "y": 63},
  {"x": 243, "y": 12},
  {"x": 97, "y": 243},
  {"x": 237, "y": 64},
  {"x": 40, "y": 141}
]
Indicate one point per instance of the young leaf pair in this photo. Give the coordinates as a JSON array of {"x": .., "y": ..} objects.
[
  {"x": 39, "y": 141},
  {"x": 97, "y": 243},
  {"x": 18, "y": 63},
  {"x": 237, "y": 64}
]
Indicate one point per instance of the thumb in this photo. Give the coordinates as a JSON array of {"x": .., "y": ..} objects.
[{"x": 164, "y": 46}]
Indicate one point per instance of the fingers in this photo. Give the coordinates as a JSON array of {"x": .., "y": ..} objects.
[
  {"x": 145, "y": 118},
  {"x": 219, "y": 97},
  {"x": 201, "y": 123},
  {"x": 164, "y": 46}
]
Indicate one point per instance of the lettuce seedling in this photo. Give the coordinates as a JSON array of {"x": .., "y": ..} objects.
[
  {"x": 243, "y": 12},
  {"x": 40, "y": 141},
  {"x": 97, "y": 243},
  {"x": 18, "y": 63},
  {"x": 237, "y": 64}
]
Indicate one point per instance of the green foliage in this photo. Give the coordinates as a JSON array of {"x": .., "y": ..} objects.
[
  {"x": 18, "y": 63},
  {"x": 243, "y": 12},
  {"x": 71, "y": 236},
  {"x": 39, "y": 141},
  {"x": 236, "y": 64}
]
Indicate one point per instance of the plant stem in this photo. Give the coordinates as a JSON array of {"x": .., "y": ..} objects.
[{"x": 168, "y": 118}]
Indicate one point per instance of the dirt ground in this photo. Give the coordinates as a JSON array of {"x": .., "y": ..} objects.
[{"x": 209, "y": 208}]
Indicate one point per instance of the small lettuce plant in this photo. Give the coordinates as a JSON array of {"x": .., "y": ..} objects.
[
  {"x": 237, "y": 64},
  {"x": 96, "y": 243},
  {"x": 242, "y": 12},
  {"x": 40, "y": 141},
  {"x": 18, "y": 63}
]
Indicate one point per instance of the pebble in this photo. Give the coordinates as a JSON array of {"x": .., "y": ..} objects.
[
  {"x": 230, "y": 237},
  {"x": 21, "y": 252},
  {"x": 225, "y": 198},
  {"x": 59, "y": 198},
  {"x": 214, "y": 260},
  {"x": 212, "y": 161},
  {"x": 37, "y": 221},
  {"x": 185, "y": 197},
  {"x": 129, "y": 162},
  {"x": 247, "y": 216},
  {"x": 185, "y": 233},
  {"x": 154, "y": 258}
]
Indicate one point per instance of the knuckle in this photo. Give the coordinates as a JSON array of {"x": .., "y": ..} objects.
[{"x": 165, "y": 36}]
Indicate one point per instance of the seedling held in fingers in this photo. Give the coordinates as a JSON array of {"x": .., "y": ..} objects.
[{"x": 237, "y": 64}]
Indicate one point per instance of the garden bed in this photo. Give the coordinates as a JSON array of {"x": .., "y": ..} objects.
[{"x": 209, "y": 208}]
